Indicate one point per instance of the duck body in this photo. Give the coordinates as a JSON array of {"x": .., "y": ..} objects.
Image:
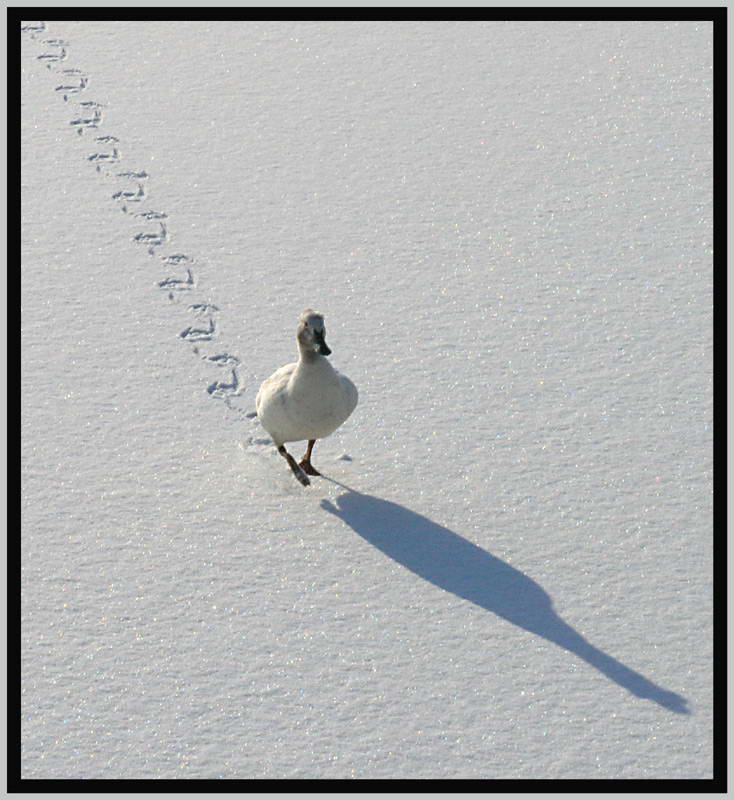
[
  {"x": 306, "y": 400},
  {"x": 303, "y": 401}
]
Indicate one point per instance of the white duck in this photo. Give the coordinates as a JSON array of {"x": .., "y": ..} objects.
[{"x": 307, "y": 400}]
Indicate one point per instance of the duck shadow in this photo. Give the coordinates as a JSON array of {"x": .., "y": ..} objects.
[{"x": 454, "y": 564}]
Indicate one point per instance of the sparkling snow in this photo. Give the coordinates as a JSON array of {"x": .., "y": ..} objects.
[{"x": 507, "y": 571}]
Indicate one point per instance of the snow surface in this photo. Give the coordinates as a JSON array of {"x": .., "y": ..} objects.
[{"x": 507, "y": 571}]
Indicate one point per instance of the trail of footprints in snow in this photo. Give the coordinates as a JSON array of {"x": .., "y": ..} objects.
[{"x": 87, "y": 118}]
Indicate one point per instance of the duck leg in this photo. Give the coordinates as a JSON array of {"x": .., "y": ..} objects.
[
  {"x": 305, "y": 464},
  {"x": 297, "y": 471}
]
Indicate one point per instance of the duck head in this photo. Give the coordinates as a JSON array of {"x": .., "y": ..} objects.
[{"x": 312, "y": 333}]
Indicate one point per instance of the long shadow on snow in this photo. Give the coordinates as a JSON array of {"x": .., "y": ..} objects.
[{"x": 453, "y": 563}]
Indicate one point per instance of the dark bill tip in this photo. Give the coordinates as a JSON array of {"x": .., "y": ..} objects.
[{"x": 323, "y": 348}]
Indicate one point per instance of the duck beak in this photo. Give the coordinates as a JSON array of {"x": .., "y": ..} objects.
[{"x": 322, "y": 347}]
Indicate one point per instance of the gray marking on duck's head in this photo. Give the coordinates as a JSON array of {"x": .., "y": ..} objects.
[{"x": 312, "y": 333}]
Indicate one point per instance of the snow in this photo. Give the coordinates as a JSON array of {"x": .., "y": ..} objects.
[{"x": 507, "y": 571}]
